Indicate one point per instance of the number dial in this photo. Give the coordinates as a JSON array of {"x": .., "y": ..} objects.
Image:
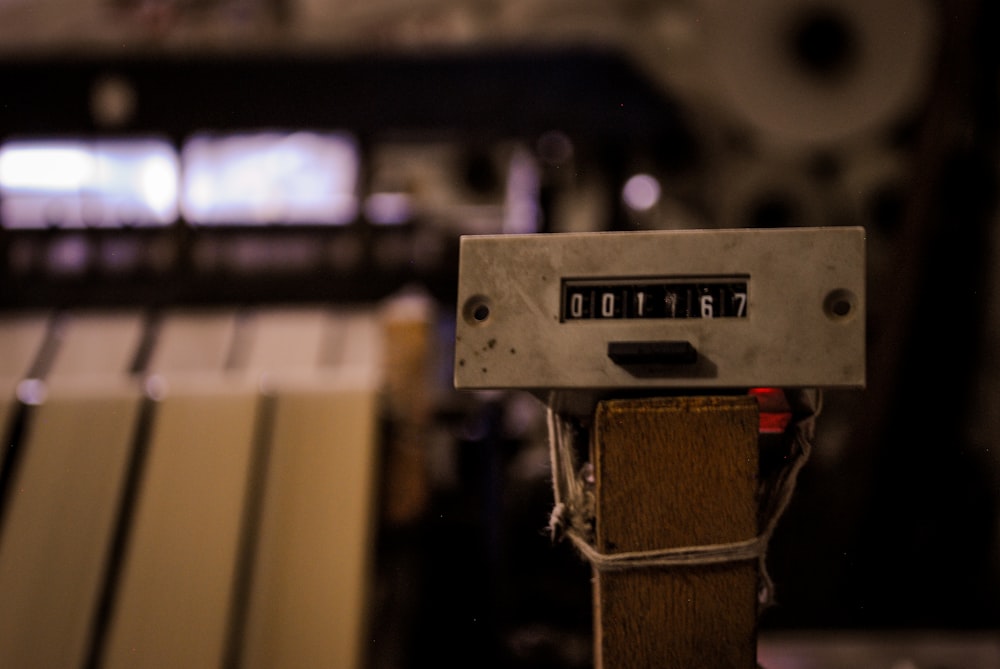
[{"x": 671, "y": 299}]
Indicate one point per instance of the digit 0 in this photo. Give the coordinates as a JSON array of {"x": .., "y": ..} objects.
[{"x": 608, "y": 305}]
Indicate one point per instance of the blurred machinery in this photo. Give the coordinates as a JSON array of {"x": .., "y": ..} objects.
[{"x": 243, "y": 158}]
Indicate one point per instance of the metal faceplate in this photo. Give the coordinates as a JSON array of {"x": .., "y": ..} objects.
[{"x": 665, "y": 309}]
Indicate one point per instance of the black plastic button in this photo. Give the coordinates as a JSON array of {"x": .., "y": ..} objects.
[{"x": 632, "y": 353}]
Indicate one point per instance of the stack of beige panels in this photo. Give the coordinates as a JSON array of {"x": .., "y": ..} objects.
[{"x": 194, "y": 490}]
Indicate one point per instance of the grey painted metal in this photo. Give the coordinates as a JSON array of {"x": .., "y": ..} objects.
[{"x": 510, "y": 331}]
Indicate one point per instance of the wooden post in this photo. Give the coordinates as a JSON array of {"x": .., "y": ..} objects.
[{"x": 676, "y": 472}]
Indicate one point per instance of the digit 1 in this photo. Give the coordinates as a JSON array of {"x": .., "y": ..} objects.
[
  {"x": 671, "y": 301},
  {"x": 640, "y": 303}
]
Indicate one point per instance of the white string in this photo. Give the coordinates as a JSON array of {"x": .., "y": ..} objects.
[
  {"x": 668, "y": 557},
  {"x": 573, "y": 512}
]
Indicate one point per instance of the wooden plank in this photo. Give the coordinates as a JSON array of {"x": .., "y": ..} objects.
[
  {"x": 310, "y": 583},
  {"x": 670, "y": 473},
  {"x": 94, "y": 345},
  {"x": 60, "y": 521},
  {"x": 360, "y": 340},
  {"x": 21, "y": 339},
  {"x": 98, "y": 344},
  {"x": 176, "y": 587},
  {"x": 409, "y": 342},
  {"x": 193, "y": 341},
  {"x": 285, "y": 340}
]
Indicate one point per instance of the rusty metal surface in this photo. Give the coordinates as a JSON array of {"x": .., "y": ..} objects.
[{"x": 512, "y": 332}]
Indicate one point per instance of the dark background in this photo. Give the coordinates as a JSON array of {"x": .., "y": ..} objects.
[{"x": 895, "y": 522}]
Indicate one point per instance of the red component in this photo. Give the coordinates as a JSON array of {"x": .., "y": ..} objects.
[{"x": 775, "y": 412}]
